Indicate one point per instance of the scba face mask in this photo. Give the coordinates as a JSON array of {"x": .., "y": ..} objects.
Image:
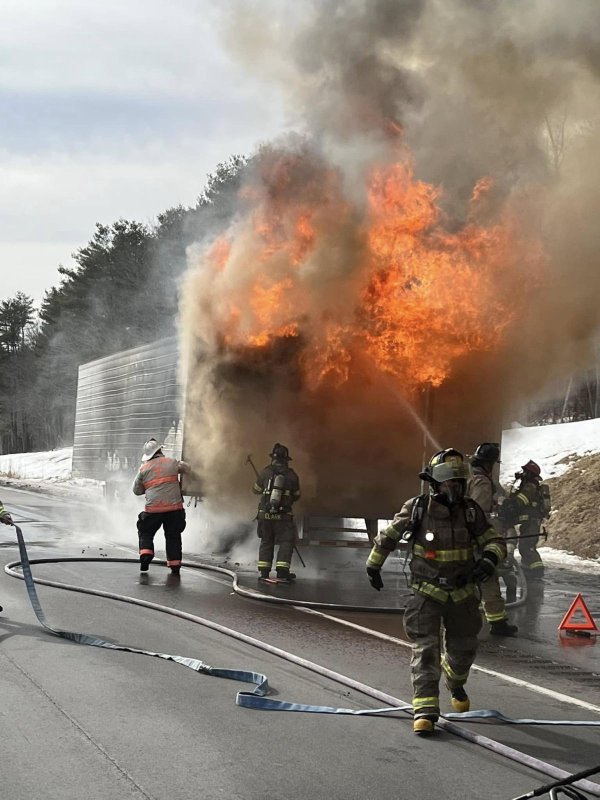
[{"x": 452, "y": 491}]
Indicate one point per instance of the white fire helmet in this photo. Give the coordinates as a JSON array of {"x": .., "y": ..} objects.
[{"x": 151, "y": 448}]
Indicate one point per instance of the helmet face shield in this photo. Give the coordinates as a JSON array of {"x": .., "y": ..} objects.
[{"x": 452, "y": 469}]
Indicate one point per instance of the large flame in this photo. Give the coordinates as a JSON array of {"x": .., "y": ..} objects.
[{"x": 387, "y": 281}]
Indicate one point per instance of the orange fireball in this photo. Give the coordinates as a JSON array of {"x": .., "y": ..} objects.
[{"x": 386, "y": 279}]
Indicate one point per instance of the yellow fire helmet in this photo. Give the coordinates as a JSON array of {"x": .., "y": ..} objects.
[{"x": 446, "y": 465}]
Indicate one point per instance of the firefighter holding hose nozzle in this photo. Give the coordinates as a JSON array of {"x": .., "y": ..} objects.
[{"x": 453, "y": 548}]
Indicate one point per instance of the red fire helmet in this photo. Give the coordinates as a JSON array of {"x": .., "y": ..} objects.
[{"x": 532, "y": 467}]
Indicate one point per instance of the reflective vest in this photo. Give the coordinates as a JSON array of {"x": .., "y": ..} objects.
[{"x": 159, "y": 480}]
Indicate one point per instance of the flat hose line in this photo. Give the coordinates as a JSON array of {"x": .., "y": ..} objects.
[{"x": 256, "y": 699}]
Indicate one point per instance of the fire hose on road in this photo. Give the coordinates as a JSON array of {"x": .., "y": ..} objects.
[{"x": 257, "y": 700}]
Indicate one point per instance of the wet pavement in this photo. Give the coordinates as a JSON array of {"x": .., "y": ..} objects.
[{"x": 538, "y": 656}]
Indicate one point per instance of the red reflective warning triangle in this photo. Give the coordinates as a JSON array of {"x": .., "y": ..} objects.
[{"x": 578, "y": 606}]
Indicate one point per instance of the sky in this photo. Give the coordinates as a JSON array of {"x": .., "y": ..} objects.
[{"x": 112, "y": 110}]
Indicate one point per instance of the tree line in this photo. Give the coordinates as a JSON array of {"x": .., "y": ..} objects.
[{"x": 121, "y": 293}]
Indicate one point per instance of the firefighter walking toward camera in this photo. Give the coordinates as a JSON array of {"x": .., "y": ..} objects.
[
  {"x": 158, "y": 479},
  {"x": 531, "y": 500},
  {"x": 279, "y": 487},
  {"x": 453, "y": 549},
  {"x": 484, "y": 491}
]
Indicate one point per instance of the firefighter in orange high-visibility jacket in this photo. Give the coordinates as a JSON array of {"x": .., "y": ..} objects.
[
  {"x": 279, "y": 487},
  {"x": 453, "y": 549},
  {"x": 158, "y": 479}
]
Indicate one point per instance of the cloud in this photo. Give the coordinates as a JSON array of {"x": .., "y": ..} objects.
[
  {"x": 152, "y": 46},
  {"x": 112, "y": 110}
]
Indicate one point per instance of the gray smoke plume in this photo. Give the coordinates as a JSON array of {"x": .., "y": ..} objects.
[{"x": 472, "y": 90}]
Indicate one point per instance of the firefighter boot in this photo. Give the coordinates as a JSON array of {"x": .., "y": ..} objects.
[
  {"x": 285, "y": 576},
  {"x": 503, "y": 628},
  {"x": 263, "y": 575},
  {"x": 145, "y": 562},
  {"x": 424, "y": 726},
  {"x": 459, "y": 699}
]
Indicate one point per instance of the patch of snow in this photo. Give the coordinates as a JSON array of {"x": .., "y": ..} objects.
[
  {"x": 55, "y": 464},
  {"x": 560, "y": 558},
  {"x": 553, "y": 447}
]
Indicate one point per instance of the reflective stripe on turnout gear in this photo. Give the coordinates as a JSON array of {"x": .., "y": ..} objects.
[
  {"x": 160, "y": 481},
  {"x": 163, "y": 508},
  {"x": 431, "y": 554},
  {"x": 443, "y": 595},
  {"x": 533, "y": 565},
  {"x": 455, "y": 677},
  {"x": 419, "y": 704},
  {"x": 502, "y": 615}
]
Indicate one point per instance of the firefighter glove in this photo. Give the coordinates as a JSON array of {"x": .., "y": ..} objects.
[
  {"x": 375, "y": 578},
  {"x": 6, "y": 519},
  {"x": 483, "y": 569},
  {"x": 462, "y": 579}
]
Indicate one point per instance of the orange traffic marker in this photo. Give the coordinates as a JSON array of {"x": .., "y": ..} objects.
[{"x": 578, "y": 607}]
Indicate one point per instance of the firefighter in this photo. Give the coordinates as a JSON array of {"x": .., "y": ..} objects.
[
  {"x": 279, "y": 487},
  {"x": 6, "y": 518},
  {"x": 453, "y": 549},
  {"x": 532, "y": 503},
  {"x": 484, "y": 491},
  {"x": 158, "y": 479}
]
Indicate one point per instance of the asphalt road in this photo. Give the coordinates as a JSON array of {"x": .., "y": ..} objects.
[{"x": 79, "y": 721}]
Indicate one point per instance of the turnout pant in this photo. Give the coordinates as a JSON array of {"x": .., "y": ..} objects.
[
  {"x": 426, "y": 623},
  {"x": 531, "y": 560},
  {"x": 280, "y": 532},
  {"x": 494, "y": 606},
  {"x": 173, "y": 523}
]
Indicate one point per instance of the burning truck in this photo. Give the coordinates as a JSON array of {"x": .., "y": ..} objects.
[
  {"x": 362, "y": 325},
  {"x": 365, "y": 328}
]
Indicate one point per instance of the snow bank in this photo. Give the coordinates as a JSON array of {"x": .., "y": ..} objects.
[
  {"x": 553, "y": 447},
  {"x": 53, "y": 465}
]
